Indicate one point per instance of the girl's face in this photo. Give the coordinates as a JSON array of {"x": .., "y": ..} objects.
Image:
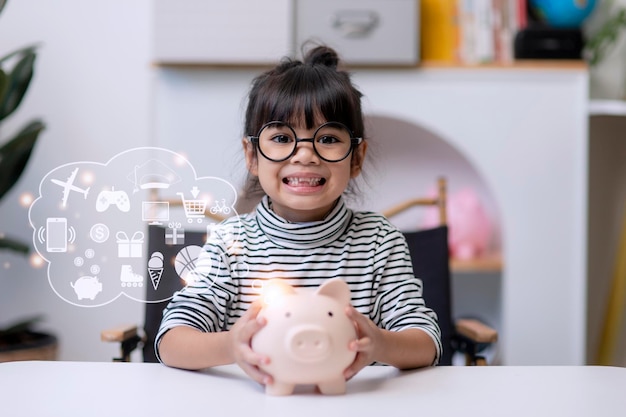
[{"x": 304, "y": 187}]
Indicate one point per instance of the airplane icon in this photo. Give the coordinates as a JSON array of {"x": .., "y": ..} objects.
[{"x": 69, "y": 186}]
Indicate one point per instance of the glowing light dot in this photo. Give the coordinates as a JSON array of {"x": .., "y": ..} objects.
[
  {"x": 273, "y": 294},
  {"x": 180, "y": 159},
  {"x": 87, "y": 177},
  {"x": 26, "y": 199},
  {"x": 36, "y": 261}
]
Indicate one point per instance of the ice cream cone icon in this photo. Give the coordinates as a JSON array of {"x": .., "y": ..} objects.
[{"x": 155, "y": 268}]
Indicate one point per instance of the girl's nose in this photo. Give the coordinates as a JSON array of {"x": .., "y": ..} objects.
[{"x": 305, "y": 154}]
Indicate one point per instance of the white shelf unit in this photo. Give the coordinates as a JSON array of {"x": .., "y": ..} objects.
[
  {"x": 525, "y": 131},
  {"x": 607, "y": 108}
]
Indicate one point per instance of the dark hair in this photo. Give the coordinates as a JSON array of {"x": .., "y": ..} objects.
[{"x": 303, "y": 92}]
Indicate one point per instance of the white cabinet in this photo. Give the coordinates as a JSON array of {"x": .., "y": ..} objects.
[
  {"x": 221, "y": 32},
  {"x": 260, "y": 32},
  {"x": 365, "y": 32}
]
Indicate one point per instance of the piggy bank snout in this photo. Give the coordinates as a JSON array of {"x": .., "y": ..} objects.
[{"x": 308, "y": 343}]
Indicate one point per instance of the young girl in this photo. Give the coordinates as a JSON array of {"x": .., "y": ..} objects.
[{"x": 303, "y": 146}]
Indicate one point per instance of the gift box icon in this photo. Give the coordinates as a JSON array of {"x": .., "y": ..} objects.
[
  {"x": 129, "y": 248},
  {"x": 175, "y": 236}
]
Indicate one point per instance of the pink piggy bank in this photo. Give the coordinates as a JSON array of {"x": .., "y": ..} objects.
[
  {"x": 306, "y": 336},
  {"x": 471, "y": 228}
]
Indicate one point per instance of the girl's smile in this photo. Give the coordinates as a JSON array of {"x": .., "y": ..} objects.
[{"x": 304, "y": 182}]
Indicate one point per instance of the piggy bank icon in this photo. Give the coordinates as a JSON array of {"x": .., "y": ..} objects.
[
  {"x": 306, "y": 336},
  {"x": 87, "y": 287}
]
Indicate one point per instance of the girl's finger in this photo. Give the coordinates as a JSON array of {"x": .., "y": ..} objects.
[
  {"x": 360, "y": 361},
  {"x": 251, "y": 327},
  {"x": 257, "y": 374}
]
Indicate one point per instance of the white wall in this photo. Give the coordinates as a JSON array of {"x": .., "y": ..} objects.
[
  {"x": 95, "y": 88},
  {"x": 92, "y": 87}
]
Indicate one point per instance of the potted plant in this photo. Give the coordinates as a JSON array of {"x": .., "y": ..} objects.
[
  {"x": 604, "y": 51},
  {"x": 19, "y": 341},
  {"x": 605, "y": 37}
]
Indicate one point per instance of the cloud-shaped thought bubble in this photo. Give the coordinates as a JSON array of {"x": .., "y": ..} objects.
[{"x": 91, "y": 219}]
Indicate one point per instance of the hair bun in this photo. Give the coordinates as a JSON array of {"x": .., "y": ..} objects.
[{"x": 322, "y": 55}]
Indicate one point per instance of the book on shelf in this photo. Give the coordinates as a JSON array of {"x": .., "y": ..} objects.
[
  {"x": 439, "y": 30},
  {"x": 471, "y": 31}
]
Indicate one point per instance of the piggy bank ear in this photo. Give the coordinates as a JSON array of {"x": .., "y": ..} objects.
[
  {"x": 337, "y": 289},
  {"x": 274, "y": 289}
]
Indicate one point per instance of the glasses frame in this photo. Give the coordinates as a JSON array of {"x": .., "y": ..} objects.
[{"x": 354, "y": 141}]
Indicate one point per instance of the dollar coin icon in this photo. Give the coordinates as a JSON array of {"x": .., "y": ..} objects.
[{"x": 99, "y": 233}]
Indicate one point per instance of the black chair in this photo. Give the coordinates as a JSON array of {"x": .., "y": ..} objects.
[
  {"x": 129, "y": 336},
  {"x": 431, "y": 263}
]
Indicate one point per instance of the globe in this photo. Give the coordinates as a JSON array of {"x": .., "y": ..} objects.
[{"x": 562, "y": 13}]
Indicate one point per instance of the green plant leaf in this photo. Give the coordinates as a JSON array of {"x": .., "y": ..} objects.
[
  {"x": 19, "y": 80},
  {"x": 14, "y": 245},
  {"x": 15, "y": 154},
  {"x": 22, "y": 325},
  {"x": 605, "y": 38},
  {"x": 4, "y": 82},
  {"x": 25, "y": 50}
]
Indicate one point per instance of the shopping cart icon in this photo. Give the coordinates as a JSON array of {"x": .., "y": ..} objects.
[{"x": 194, "y": 209}]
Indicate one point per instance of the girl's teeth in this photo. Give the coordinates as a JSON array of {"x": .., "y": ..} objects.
[{"x": 311, "y": 182}]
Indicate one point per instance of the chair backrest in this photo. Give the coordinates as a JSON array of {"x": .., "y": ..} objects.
[
  {"x": 429, "y": 255},
  {"x": 169, "y": 284},
  {"x": 431, "y": 263},
  {"x": 170, "y": 280}
]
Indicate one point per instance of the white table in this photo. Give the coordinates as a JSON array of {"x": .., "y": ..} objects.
[{"x": 137, "y": 389}]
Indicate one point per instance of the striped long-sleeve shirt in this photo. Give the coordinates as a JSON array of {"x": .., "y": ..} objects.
[{"x": 362, "y": 248}]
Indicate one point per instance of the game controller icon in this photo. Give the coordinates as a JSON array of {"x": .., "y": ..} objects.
[{"x": 106, "y": 198}]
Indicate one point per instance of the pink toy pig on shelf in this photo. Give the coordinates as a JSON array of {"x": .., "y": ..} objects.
[
  {"x": 306, "y": 336},
  {"x": 470, "y": 228}
]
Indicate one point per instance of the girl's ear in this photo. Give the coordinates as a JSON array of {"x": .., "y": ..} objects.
[
  {"x": 356, "y": 164},
  {"x": 251, "y": 158}
]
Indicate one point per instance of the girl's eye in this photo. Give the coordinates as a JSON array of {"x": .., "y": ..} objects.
[
  {"x": 281, "y": 139},
  {"x": 327, "y": 140}
]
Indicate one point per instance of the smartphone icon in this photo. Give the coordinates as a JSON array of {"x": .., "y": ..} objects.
[{"x": 56, "y": 234}]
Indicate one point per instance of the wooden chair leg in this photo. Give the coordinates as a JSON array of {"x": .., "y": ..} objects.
[
  {"x": 127, "y": 347},
  {"x": 480, "y": 361},
  {"x": 468, "y": 359}
]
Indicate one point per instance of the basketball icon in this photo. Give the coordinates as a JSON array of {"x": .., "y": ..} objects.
[{"x": 185, "y": 262}]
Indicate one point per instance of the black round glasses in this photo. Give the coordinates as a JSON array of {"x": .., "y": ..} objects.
[{"x": 332, "y": 141}]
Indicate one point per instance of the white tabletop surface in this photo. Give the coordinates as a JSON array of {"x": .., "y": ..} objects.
[{"x": 138, "y": 389}]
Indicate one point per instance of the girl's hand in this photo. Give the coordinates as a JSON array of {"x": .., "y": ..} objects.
[
  {"x": 241, "y": 336},
  {"x": 367, "y": 345}
]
